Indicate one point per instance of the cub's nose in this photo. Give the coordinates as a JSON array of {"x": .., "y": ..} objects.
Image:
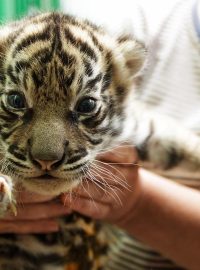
[
  {"x": 46, "y": 165},
  {"x": 47, "y": 157}
]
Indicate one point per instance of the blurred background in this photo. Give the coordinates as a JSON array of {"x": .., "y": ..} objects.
[
  {"x": 98, "y": 9},
  {"x": 15, "y": 9}
]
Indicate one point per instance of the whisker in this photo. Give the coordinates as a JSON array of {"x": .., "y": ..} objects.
[
  {"x": 108, "y": 176},
  {"x": 122, "y": 181},
  {"x": 104, "y": 186},
  {"x": 85, "y": 179},
  {"x": 111, "y": 191}
]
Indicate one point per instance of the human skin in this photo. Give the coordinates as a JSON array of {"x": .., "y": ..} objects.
[{"x": 160, "y": 213}]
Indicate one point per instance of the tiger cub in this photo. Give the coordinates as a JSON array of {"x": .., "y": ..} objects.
[{"x": 66, "y": 94}]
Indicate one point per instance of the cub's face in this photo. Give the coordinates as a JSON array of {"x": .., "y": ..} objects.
[{"x": 64, "y": 86}]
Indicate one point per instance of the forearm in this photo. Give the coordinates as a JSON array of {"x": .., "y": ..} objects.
[{"x": 167, "y": 217}]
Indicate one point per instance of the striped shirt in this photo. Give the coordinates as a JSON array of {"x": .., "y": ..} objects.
[{"x": 170, "y": 86}]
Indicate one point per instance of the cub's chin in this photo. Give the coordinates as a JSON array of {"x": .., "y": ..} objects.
[{"x": 49, "y": 185}]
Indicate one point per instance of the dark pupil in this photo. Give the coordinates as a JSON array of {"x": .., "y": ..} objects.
[
  {"x": 16, "y": 101},
  {"x": 86, "y": 105}
]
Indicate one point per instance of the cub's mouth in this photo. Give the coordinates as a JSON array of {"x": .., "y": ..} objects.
[
  {"x": 55, "y": 182},
  {"x": 47, "y": 184},
  {"x": 47, "y": 177}
]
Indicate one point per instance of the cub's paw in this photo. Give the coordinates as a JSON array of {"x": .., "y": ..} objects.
[
  {"x": 161, "y": 156},
  {"x": 6, "y": 200}
]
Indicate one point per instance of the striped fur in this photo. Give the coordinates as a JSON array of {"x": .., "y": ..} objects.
[{"x": 54, "y": 62}]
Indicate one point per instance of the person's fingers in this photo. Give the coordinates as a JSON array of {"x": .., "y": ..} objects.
[
  {"x": 107, "y": 177},
  {"x": 104, "y": 174},
  {"x": 99, "y": 193},
  {"x": 25, "y": 227},
  {"x": 39, "y": 211},
  {"x": 123, "y": 155},
  {"x": 87, "y": 206}
]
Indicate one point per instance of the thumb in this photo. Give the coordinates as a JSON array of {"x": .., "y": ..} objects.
[{"x": 86, "y": 206}]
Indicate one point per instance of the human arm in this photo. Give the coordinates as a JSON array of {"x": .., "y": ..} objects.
[{"x": 167, "y": 218}]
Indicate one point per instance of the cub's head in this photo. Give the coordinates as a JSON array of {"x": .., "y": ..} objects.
[{"x": 64, "y": 86}]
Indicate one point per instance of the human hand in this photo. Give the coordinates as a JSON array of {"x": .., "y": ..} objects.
[
  {"x": 35, "y": 214},
  {"x": 111, "y": 188}
]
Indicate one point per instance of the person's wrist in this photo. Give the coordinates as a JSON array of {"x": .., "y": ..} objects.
[{"x": 147, "y": 183}]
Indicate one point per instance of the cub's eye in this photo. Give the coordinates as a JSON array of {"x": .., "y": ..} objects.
[
  {"x": 16, "y": 100},
  {"x": 87, "y": 105}
]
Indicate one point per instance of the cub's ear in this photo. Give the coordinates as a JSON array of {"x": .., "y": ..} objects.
[{"x": 130, "y": 56}]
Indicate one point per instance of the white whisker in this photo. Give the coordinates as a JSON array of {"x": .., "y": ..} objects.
[
  {"x": 103, "y": 185},
  {"x": 108, "y": 176},
  {"x": 122, "y": 181}
]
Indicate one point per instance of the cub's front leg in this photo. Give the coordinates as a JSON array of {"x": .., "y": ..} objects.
[
  {"x": 171, "y": 146},
  {"x": 7, "y": 201},
  {"x": 165, "y": 142}
]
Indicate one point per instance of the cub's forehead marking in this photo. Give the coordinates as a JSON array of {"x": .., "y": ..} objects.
[
  {"x": 32, "y": 42},
  {"x": 82, "y": 62},
  {"x": 80, "y": 44},
  {"x": 34, "y": 28}
]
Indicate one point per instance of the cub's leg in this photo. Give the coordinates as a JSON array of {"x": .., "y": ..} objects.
[
  {"x": 170, "y": 146},
  {"x": 165, "y": 142}
]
